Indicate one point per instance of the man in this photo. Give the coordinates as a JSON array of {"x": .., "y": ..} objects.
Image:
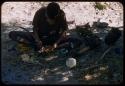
[{"x": 49, "y": 26}]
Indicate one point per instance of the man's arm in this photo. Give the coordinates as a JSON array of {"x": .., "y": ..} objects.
[
  {"x": 63, "y": 26},
  {"x": 37, "y": 39},
  {"x": 62, "y": 36},
  {"x": 35, "y": 29},
  {"x": 35, "y": 23},
  {"x": 35, "y": 32}
]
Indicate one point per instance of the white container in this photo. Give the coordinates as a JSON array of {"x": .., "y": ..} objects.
[{"x": 71, "y": 62}]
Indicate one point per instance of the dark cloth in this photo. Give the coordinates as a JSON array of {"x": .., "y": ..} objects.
[
  {"x": 47, "y": 32},
  {"x": 72, "y": 43},
  {"x": 92, "y": 41},
  {"x": 112, "y": 36}
]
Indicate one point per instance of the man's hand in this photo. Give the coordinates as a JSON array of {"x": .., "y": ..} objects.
[
  {"x": 55, "y": 45},
  {"x": 49, "y": 48},
  {"x": 39, "y": 44},
  {"x": 42, "y": 50}
]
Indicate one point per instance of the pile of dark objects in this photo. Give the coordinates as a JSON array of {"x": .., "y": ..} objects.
[{"x": 101, "y": 40}]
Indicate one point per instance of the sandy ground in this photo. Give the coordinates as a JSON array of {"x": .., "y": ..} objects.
[
  {"x": 22, "y": 13},
  {"x": 54, "y": 71}
]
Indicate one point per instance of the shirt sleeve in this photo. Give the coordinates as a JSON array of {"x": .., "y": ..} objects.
[
  {"x": 35, "y": 19},
  {"x": 63, "y": 23}
]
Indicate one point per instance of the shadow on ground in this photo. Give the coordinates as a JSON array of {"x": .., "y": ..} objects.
[{"x": 54, "y": 71}]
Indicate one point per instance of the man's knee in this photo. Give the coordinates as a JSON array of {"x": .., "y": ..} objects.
[{"x": 12, "y": 34}]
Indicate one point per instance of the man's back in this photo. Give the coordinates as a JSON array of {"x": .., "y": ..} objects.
[{"x": 47, "y": 30}]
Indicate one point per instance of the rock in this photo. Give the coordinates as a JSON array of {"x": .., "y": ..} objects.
[
  {"x": 103, "y": 68},
  {"x": 96, "y": 75},
  {"x": 88, "y": 77},
  {"x": 25, "y": 57},
  {"x": 64, "y": 79}
]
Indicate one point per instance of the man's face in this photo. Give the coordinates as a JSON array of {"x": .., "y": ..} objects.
[{"x": 50, "y": 21}]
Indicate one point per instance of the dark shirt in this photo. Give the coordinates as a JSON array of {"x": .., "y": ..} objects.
[{"x": 47, "y": 32}]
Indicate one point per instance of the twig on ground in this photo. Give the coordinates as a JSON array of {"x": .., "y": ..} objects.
[
  {"x": 93, "y": 66},
  {"x": 103, "y": 55}
]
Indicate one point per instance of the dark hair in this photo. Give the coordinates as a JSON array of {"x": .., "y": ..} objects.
[{"x": 53, "y": 10}]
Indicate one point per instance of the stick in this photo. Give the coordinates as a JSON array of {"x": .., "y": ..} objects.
[
  {"x": 24, "y": 29},
  {"x": 103, "y": 55},
  {"x": 97, "y": 65}
]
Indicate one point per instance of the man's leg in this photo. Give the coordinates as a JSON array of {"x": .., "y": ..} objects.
[
  {"x": 23, "y": 37},
  {"x": 19, "y": 36}
]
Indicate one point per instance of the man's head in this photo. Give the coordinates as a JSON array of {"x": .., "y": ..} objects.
[{"x": 52, "y": 10}]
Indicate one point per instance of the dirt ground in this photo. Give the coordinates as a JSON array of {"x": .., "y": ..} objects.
[{"x": 53, "y": 69}]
